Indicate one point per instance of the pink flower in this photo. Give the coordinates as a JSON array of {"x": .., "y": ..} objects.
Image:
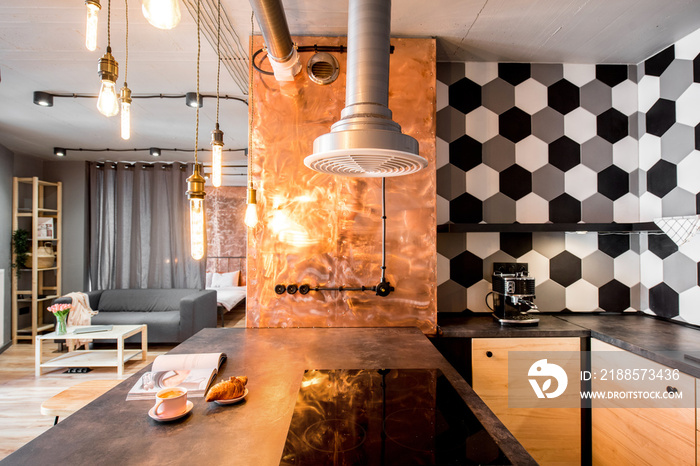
[{"x": 56, "y": 308}]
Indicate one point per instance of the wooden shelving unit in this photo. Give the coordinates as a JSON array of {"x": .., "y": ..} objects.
[{"x": 32, "y": 286}]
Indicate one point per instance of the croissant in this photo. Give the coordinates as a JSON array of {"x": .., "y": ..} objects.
[{"x": 229, "y": 389}]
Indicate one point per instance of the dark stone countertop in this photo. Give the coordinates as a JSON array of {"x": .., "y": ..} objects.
[
  {"x": 655, "y": 339},
  {"x": 111, "y": 430}
]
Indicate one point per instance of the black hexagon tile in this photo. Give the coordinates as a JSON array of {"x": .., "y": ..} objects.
[
  {"x": 661, "y": 178},
  {"x": 563, "y": 96},
  {"x": 515, "y": 182},
  {"x": 656, "y": 65},
  {"x": 613, "y": 182},
  {"x": 564, "y": 154},
  {"x": 516, "y": 244},
  {"x": 661, "y": 245},
  {"x": 660, "y": 117},
  {"x": 466, "y": 209},
  {"x": 564, "y": 209},
  {"x": 466, "y": 269},
  {"x": 614, "y": 297},
  {"x": 465, "y": 95},
  {"x": 663, "y": 301},
  {"x": 465, "y": 153},
  {"x": 612, "y": 75},
  {"x": 514, "y": 124},
  {"x": 565, "y": 268},
  {"x": 612, "y": 126},
  {"x": 613, "y": 245},
  {"x": 514, "y": 73}
]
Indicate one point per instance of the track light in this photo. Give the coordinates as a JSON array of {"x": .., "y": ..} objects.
[
  {"x": 43, "y": 98},
  {"x": 191, "y": 100},
  {"x": 154, "y": 151},
  {"x": 59, "y": 151},
  {"x": 93, "y": 7}
]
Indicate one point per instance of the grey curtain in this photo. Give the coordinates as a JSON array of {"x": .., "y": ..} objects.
[{"x": 139, "y": 227}]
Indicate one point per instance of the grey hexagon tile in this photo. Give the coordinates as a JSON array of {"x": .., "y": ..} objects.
[
  {"x": 547, "y": 73},
  {"x": 442, "y": 210},
  {"x": 637, "y": 125},
  {"x": 451, "y": 245},
  {"x": 634, "y": 72},
  {"x": 499, "y": 209},
  {"x": 676, "y": 79},
  {"x": 680, "y": 272},
  {"x": 551, "y": 296},
  {"x": 635, "y": 298},
  {"x": 476, "y": 296},
  {"x": 637, "y": 182},
  {"x": 549, "y": 244},
  {"x": 450, "y": 124},
  {"x": 483, "y": 245},
  {"x": 498, "y": 153},
  {"x": 677, "y": 142},
  {"x": 597, "y": 209},
  {"x": 442, "y": 153},
  {"x": 678, "y": 202},
  {"x": 548, "y": 125},
  {"x": 597, "y": 154},
  {"x": 548, "y": 182},
  {"x": 442, "y": 98},
  {"x": 596, "y": 97},
  {"x": 499, "y": 256},
  {"x": 450, "y": 182},
  {"x": 597, "y": 268},
  {"x": 449, "y": 72},
  {"x": 443, "y": 269},
  {"x": 452, "y": 297},
  {"x": 582, "y": 296},
  {"x": 498, "y": 96}
]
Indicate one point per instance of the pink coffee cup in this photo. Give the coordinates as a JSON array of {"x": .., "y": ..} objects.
[{"x": 170, "y": 402}]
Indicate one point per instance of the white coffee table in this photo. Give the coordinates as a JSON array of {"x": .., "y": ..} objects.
[{"x": 95, "y": 358}]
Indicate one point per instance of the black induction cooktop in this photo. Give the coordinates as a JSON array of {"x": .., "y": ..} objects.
[{"x": 384, "y": 417}]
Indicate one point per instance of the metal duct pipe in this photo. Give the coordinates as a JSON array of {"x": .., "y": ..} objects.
[
  {"x": 280, "y": 48},
  {"x": 366, "y": 142}
]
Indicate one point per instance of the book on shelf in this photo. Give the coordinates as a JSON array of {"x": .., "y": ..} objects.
[
  {"x": 44, "y": 228},
  {"x": 194, "y": 372}
]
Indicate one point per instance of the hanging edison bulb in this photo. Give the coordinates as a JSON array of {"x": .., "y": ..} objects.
[
  {"x": 251, "y": 212},
  {"x": 93, "y": 6},
  {"x": 163, "y": 14},
  {"x": 217, "y": 148},
  {"x": 108, "y": 70},
  {"x": 195, "y": 193},
  {"x": 125, "y": 98}
]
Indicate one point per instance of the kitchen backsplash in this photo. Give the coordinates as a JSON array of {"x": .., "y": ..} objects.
[{"x": 571, "y": 143}]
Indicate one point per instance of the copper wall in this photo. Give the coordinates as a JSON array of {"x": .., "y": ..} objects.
[
  {"x": 226, "y": 233},
  {"x": 326, "y": 230}
]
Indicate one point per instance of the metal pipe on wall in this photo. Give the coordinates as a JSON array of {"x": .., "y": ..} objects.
[{"x": 275, "y": 31}]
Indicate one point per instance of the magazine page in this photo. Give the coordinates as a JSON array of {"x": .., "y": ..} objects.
[{"x": 188, "y": 361}]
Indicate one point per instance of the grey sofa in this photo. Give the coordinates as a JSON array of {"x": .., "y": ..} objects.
[{"x": 172, "y": 315}]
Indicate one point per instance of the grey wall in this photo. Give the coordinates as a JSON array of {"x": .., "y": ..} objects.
[
  {"x": 6, "y": 163},
  {"x": 72, "y": 175}
]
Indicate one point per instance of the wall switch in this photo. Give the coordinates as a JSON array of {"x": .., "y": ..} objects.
[{"x": 509, "y": 267}]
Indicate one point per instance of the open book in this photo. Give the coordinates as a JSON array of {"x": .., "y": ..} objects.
[{"x": 191, "y": 371}]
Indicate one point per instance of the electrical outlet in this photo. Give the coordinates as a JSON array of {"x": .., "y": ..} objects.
[{"x": 509, "y": 267}]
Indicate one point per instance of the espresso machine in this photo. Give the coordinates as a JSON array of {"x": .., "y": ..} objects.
[{"x": 513, "y": 295}]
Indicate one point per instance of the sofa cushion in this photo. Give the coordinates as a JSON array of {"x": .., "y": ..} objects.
[
  {"x": 162, "y": 326},
  {"x": 150, "y": 300}
]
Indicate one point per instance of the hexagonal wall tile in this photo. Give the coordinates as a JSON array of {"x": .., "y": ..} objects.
[
  {"x": 548, "y": 182},
  {"x": 532, "y": 209},
  {"x": 452, "y": 297},
  {"x": 481, "y": 124},
  {"x": 582, "y": 297},
  {"x": 442, "y": 153},
  {"x": 547, "y": 73},
  {"x": 450, "y": 72},
  {"x": 613, "y": 182},
  {"x": 450, "y": 245},
  {"x": 443, "y": 269},
  {"x": 483, "y": 244},
  {"x": 565, "y": 268},
  {"x": 531, "y": 153},
  {"x": 548, "y": 125},
  {"x": 678, "y": 202},
  {"x": 692, "y": 249},
  {"x": 658, "y": 63},
  {"x": 442, "y": 97},
  {"x": 531, "y": 96},
  {"x": 680, "y": 272},
  {"x": 596, "y": 97},
  {"x": 498, "y": 96},
  {"x": 466, "y": 209},
  {"x": 514, "y": 124},
  {"x": 450, "y": 182},
  {"x": 677, "y": 142},
  {"x": 516, "y": 244},
  {"x": 564, "y": 209},
  {"x": 676, "y": 79},
  {"x": 476, "y": 295},
  {"x": 597, "y": 268},
  {"x": 612, "y": 125},
  {"x": 624, "y": 97},
  {"x": 597, "y": 153},
  {"x": 443, "y": 210},
  {"x": 563, "y": 96},
  {"x": 537, "y": 265},
  {"x": 449, "y": 124},
  {"x": 614, "y": 297},
  {"x": 613, "y": 244},
  {"x": 465, "y": 95},
  {"x": 581, "y": 182},
  {"x": 687, "y": 106},
  {"x": 597, "y": 209},
  {"x": 626, "y": 209},
  {"x": 652, "y": 269},
  {"x": 660, "y": 117},
  {"x": 514, "y": 73},
  {"x": 626, "y": 267},
  {"x": 580, "y": 125},
  {"x": 498, "y": 153},
  {"x": 564, "y": 154},
  {"x": 663, "y": 301},
  {"x": 688, "y": 47},
  {"x": 579, "y": 74},
  {"x": 465, "y": 153},
  {"x": 581, "y": 245},
  {"x": 688, "y": 301},
  {"x": 661, "y": 178},
  {"x": 465, "y": 269},
  {"x": 499, "y": 209},
  {"x": 515, "y": 182},
  {"x": 649, "y": 207},
  {"x": 482, "y": 182},
  {"x": 498, "y": 256},
  {"x": 481, "y": 72},
  {"x": 612, "y": 75},
  {"x": 551, "y": 296},
  {"x": 649, "y": 151},
  {"x": 626, "y": 154}
]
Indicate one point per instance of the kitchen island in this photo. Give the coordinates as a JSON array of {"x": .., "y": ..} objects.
[{"x": 111, "y": 430}]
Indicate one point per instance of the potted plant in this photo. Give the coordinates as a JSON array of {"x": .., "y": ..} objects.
[{"x": 20, "y": 246}]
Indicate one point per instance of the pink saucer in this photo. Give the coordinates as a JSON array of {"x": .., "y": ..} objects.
[{"x": 154, "y": 416}]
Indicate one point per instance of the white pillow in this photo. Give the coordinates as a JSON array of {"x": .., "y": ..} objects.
[
  {"x": 225, "y": 280},
  {"x": 208, "y": 280}
]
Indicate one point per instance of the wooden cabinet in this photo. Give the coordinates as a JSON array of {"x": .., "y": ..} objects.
[
  {"x": 638, "y": 431},
  {"x": 550, "y": 435},
  {"x": 36, "y": 286}
]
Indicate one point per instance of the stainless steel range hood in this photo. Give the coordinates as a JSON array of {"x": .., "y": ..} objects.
[{"x": 366, "y": 142}]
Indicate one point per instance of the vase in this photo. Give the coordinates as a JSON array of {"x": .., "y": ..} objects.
[{"x": 61, "y": 319}]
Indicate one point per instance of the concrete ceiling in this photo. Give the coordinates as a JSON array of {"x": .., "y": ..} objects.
[{"x": 42, "y": 48}]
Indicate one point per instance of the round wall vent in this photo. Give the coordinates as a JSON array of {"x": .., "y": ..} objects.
[{"x": 323, "y": 68}]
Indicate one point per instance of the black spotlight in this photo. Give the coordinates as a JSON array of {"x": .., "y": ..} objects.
[
  {"x": 59, "y": 151},
  {"x": 43, "y": 98},
  {"x": 155, "y": 152},
  {"x": 191, "y": 100}
]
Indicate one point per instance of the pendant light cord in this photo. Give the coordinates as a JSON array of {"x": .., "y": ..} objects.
[
  {"x": 109, "y": 25},
  {"x": 218, "y": 59},
  {"x": 251, "y": 104},
  {"x": 196, "y": 133},
  {"x": 126, "y": 60}
]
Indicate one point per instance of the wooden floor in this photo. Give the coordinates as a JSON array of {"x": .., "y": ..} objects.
[{"x": 21, "y": 393}]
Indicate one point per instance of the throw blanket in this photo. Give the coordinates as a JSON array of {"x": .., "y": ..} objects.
[{"x": 80, "y": 314}]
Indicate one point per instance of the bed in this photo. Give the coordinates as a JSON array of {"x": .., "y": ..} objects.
[{"x": 229, "y": 292}]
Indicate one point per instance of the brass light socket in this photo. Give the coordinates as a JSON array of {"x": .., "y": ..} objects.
[
  {"x": 125, "y": 95},
  {"x": 217, "y": 136},
  {"x": 195, "y": 183},
  {"x": 94, "y": 3},
  {"x": 252, "y": 198},
  {"x": 108, "y": 68}
]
